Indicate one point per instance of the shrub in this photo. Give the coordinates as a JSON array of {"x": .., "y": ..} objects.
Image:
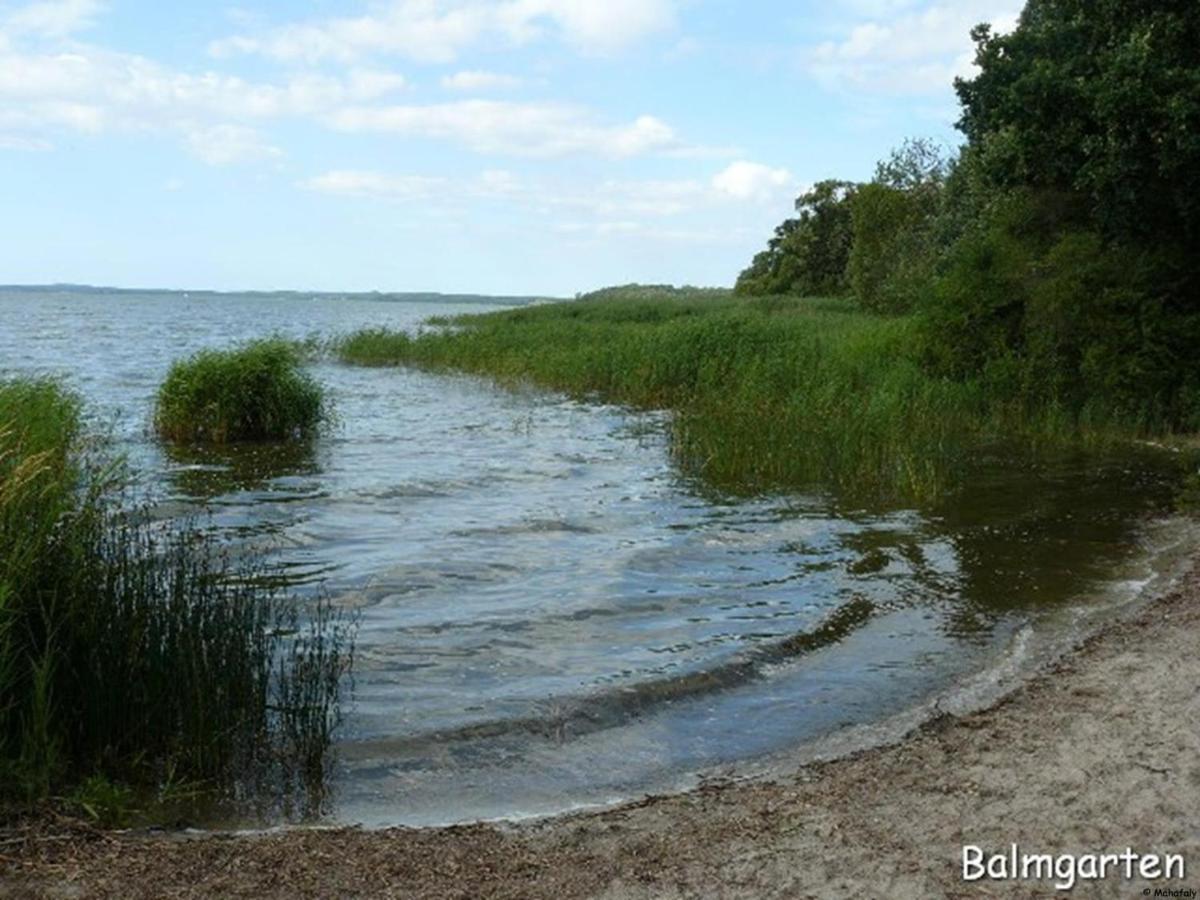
[{"x": 255, "y": 392}]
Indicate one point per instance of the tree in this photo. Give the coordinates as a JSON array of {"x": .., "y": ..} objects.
[
  {"x": 1098, "y": 97},
  {"x": 1077, "y": 279},
  {"x": 894, "y": 241},
  {"x": 808, "y": 254}
]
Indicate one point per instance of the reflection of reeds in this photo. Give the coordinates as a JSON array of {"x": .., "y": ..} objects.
[
  {"x": 137, "y": 652},
  {"x": 768, "y": 392},
  {"x": 212, "y": 470}
]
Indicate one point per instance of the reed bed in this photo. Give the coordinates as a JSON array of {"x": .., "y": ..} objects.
[
  {"x": 138, "y": 653},
  {"x": 770, "y": 392}
]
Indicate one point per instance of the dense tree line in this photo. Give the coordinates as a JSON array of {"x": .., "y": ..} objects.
[{"x": 1056, "y": 254}]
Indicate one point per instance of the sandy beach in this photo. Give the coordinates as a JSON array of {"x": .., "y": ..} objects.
[{"x": 1097, "y": 754}]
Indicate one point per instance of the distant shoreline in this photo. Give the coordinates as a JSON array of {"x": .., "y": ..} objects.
[{"x": 398, "y": 296}]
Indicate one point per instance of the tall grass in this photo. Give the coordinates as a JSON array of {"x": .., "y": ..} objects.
[
  {"x": 136, "y": 651},
  {"x": 768, "y": 392},
  {"x": 258, "y": 391}
]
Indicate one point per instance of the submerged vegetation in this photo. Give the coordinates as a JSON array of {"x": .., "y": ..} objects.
[
  {"x": 136, "y": 653},
  {"x": 258, "y": 391}
]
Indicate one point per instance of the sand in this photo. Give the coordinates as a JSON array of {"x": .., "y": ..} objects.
[{"x": 1096, "y": 754}]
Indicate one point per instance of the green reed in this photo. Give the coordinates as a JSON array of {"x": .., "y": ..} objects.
[
  {"x": 258, "y": 391},
  {"x": 139, "y": 652},
  {"x": 769, "y": 392}
]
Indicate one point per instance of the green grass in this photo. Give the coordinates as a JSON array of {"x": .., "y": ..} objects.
[
  {"x": 767, "y": 393},
  {"x": 134, "y": 653},
  {"x": 258, "y": 391}
]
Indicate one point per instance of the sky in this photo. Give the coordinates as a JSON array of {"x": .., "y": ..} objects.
[{"x": 541, "y": 147}]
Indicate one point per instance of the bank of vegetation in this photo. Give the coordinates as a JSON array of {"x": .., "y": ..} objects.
[
  {"x": 767, "y": 392},
  {"x": 1037, "y": 288},
  {"x": 141, "y": 663}
]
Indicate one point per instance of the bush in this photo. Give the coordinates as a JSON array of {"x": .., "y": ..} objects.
[
  {"x": 255, "y": 392},
  {"x": 1049, "y": 310},
  {"x": 135, "y": 652}
]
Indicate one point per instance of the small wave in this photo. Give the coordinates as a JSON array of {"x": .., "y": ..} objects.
[
  {"x": 531, "y": 526},
  {"x": 561, "y": 719}
]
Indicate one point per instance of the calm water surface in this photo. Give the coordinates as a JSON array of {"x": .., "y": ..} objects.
[{"x": 551, "y": 615}]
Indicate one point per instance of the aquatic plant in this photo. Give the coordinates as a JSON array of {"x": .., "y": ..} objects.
[
  {"x": 140, "y": 653},
  {"x": 373, "y": 347},
  {"x": 768, "y": 392},
  {"x": 258, "y": 391}
]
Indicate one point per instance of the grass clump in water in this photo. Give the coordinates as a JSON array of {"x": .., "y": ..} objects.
[
  {"x": 769, "y": 392},
  {"x": 136, "y": 654},
  {"x": 258, "y": 391}
]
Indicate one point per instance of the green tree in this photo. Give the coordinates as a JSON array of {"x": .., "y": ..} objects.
[
  {"x": 808, "y": 254},
  {"x": 1075, "y": 275},
  {"x": 1099, "y": 97},
  {"x": 894, "y": 243}
]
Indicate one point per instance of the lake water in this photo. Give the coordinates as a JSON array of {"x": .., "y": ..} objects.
[{"x": 553, "y": 616}]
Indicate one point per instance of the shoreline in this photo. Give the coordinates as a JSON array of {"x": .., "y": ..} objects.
[{"x": 1094, "y": 754}]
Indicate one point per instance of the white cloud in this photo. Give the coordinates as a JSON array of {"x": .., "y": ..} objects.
[
  {"x": 519, "y": 129},
  {"x": 67, "y": 85},
  {"x": 223, "y": 145},
  {"x": 605, "y": 232},
  {"x": 439, "y": 30},
  {"x": 599, "y": 27},
  {"x": 612, "y": 200},
  {"x": 347, "y": 182},
  {"x": 25, "y": 144},
  {"x": 90, "y": 90},
  {"x": 476, "y": 80},
  {"x": 132, "y": 88},
  {"x": 909, "y": 48},
  {"x": 51, "y": 18},
  {"x": 744, "y": 180}
]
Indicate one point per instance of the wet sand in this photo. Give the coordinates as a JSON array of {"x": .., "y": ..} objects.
[{"x": 1099, "y": 753}]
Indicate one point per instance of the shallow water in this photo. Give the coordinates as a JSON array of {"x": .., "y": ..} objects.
[{"x": 551, "y": 614}]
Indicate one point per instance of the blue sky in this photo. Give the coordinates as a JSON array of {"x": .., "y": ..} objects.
[{"x": 512, "y": 146}]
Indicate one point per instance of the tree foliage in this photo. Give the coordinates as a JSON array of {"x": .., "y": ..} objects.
[
  {"x": 1099, "y": 98},
  {"x": 808, "y": 254},
  {"x": 1056, "y": 255},
  {"x": 1077, "y": 273},
  {"x": 895, "y": 240}
]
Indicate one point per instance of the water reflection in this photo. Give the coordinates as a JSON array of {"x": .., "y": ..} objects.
[{"x": 208, "y": 472}]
